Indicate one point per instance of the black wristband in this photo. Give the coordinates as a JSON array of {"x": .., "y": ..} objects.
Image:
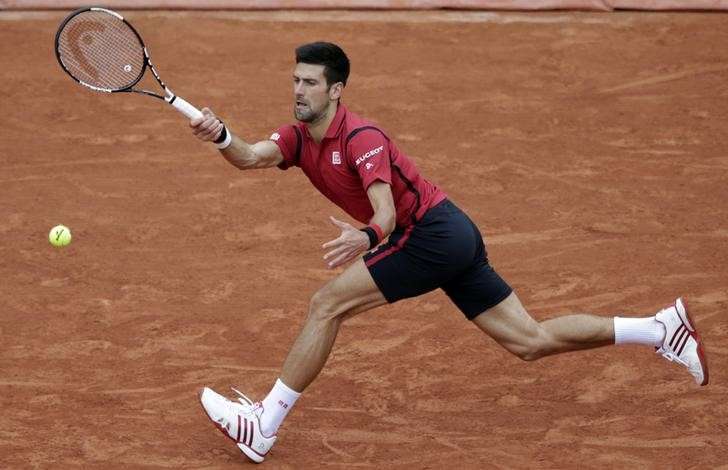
[
  {"x": 373, "y": 238},
  {"x": 223, "y": 134}
]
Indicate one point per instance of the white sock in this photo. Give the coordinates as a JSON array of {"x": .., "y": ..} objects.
[
  {"x": 276, "y": 406},
  {"x": 647, "y": 331}
]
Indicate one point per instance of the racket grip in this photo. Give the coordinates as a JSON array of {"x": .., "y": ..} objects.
[{"x": 185, "y": 108}]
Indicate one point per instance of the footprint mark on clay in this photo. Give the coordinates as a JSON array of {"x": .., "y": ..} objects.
[{"x": 216, "y": 294}]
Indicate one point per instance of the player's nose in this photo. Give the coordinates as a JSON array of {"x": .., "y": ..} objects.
[{"x": 298, "y": 89}]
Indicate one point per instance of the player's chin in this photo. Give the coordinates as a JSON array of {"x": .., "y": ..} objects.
[{"x": 304, "y": 116}]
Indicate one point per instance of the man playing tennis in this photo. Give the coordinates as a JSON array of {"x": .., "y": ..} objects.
[{"x": 414, "y": 240}]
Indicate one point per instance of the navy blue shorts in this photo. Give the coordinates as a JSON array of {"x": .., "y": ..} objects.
[{"x": 443, "y": 250}]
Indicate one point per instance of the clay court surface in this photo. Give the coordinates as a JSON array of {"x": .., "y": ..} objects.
[{"x": 589, "y": 148}]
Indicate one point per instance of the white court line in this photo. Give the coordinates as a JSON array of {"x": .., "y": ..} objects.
[{"x": 376, "y": 16}]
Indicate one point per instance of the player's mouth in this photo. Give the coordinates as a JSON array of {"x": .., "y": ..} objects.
[{"x": 300, "y": 104}]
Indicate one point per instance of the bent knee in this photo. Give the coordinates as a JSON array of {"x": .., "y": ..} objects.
[
  {"x": 322, "y": 306},
  {"x": 529, "y": 354},
  {"x": 531, "y": 348}
]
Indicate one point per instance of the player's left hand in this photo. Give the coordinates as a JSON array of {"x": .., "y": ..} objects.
[{"x": 348, "y": 246}]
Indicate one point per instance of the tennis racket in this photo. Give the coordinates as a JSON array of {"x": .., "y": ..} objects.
[{"x": 102, "y": 51}]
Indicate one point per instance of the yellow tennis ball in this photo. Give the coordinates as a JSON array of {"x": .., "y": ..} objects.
[{"x": 59, "y": 236}]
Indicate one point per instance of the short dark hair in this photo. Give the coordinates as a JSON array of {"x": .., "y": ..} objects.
[{"x": 331, "y": 56}]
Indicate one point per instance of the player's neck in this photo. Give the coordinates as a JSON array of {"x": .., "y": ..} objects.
[{"x": 318, "y": 129}]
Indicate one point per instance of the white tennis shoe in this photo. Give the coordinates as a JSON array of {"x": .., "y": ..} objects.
[
  {"x": 682, "y": 342},
  {"x": 240, "y": 421}
]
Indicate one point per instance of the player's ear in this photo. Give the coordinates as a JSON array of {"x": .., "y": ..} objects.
[{"x": 335, "y": 91}]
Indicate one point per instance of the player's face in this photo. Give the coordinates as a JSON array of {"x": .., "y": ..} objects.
[{"x": 311, "y": 92}]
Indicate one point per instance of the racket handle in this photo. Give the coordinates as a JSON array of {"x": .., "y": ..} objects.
[{"x": 185, "y": 108}]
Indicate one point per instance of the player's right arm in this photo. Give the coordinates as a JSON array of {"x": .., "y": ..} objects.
[{"x": 264, "y": 154}]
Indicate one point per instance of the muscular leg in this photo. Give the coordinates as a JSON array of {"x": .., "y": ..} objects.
[
  {"x": 513, "y": 328},
  {"x": 352, "y": 292}
]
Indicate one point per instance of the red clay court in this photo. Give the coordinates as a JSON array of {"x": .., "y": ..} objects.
[{"x": 590, "y": 148}]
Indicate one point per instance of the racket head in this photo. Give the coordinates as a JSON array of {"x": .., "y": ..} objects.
[{"x": 99, "y": 49}]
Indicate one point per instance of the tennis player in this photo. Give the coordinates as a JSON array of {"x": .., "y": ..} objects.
[{"x": 413, "y": 240}]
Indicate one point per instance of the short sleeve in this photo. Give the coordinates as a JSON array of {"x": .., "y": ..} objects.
[
  {"x": 289, "y": 142},
  {"x": 368, "y": 154}
]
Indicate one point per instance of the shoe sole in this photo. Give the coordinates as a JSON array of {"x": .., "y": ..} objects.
[
  {"x": 256, "y": 458},
  {"x": 696, "y": 336}
]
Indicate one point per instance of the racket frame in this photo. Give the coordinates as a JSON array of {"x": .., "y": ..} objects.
[{"x": 181, "y": 105}]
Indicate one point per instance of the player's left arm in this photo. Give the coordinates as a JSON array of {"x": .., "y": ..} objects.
[
  {"x": 385, "y": 215},
  {"x": 354, "y": 241}
]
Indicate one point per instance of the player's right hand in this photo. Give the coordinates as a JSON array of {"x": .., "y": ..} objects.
[{"x": 208, "y": 128}]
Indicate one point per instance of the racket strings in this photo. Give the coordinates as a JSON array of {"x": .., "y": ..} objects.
[{"x": 101, "y": 50}]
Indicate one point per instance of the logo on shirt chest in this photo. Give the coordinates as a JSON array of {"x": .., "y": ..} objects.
[{"x": 336, "y": 158}]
